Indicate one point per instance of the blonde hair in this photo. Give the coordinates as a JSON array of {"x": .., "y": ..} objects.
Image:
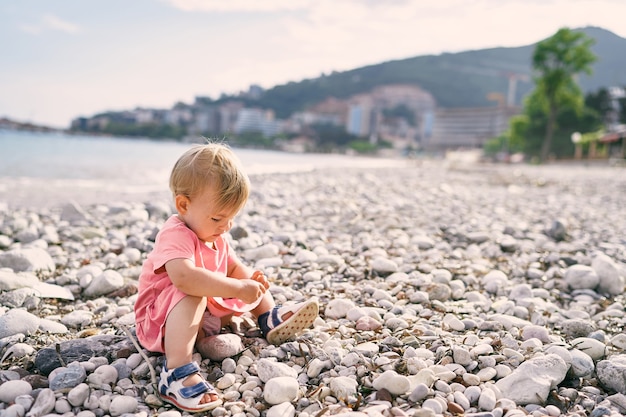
[{"x": 211, "y": 165}]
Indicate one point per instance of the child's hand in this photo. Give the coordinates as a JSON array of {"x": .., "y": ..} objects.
[
  {"x": 251, "y": 291},
  {"x": 260, "y": 277}
]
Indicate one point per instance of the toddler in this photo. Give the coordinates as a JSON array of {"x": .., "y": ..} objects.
[{"x": 192, "y": 283}]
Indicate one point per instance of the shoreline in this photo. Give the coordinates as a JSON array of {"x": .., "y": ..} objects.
[
  {"x": 443, "y": 289},
  {"x": 50, "y": 193}
]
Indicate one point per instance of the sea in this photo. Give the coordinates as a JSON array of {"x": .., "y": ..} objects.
[{"x": 49, "y": 169}]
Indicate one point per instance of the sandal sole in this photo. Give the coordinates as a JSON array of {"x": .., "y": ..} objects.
[
  {"x": 207, "y": 407},
  {"x": 300, "y": 320}
]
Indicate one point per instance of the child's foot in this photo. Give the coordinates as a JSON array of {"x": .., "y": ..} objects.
[
  {"x": 185, "y": 388},
  {"x": 283, "y": 322}
]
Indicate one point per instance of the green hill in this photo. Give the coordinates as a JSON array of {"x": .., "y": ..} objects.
[{"x": 461, "y": 79}]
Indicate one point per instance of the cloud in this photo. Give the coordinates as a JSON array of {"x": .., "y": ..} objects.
[
  {"x": 483, "y": 20},
  {"x": 32, "y": 29},
  {"x": 234, "y": 6},
  {"x": 409, "y": 27},
  {"x": 50, "y": 22},
  {"x": 55, "y": 23},
  {"x": 300, "y": 38}
]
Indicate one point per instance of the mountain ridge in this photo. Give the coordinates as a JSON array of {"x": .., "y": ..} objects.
[{"x": 460, "y": 79}]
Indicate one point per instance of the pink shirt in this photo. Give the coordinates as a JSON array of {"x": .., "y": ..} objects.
[{"x": 157, "y": 295}]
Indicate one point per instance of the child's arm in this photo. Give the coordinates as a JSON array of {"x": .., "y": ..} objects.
[
  {"x": 236, "y": 269},
  {"x": 201, "y": 282}
]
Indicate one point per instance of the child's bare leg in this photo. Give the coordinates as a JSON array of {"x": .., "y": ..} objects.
[
  {"x": 266, "y": 304},
  {"x": 181, "y": 331}
]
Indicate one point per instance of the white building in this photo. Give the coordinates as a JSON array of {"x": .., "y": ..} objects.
[
  {"x": 468, "y": 127},
  {"x": 257, "y": 120}
]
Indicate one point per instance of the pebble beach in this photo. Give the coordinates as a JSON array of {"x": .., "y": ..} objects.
[{"x": 444, "y": 289}]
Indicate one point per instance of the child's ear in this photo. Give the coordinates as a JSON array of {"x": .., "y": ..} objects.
[{"x": 182, "y": 203}]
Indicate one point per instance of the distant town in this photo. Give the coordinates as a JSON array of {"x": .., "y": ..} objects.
[
  {"x": 389, "y": 119},
  {"x": 396, "y": 118}
]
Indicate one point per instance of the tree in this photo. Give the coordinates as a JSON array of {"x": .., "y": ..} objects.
[
  {"x": 526, "y": 130},
  {"x": 556, "y": 61}
]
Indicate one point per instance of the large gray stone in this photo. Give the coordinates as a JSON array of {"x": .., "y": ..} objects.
[
  {"x": 17, "y": 321},
  {"x": 611, "y": 373},
  {"x": 47, "y": 359},
  {"x": 532, "y": 381},
  {"x": 27, "y": 259},
  {"x": 221, "y": 346}
]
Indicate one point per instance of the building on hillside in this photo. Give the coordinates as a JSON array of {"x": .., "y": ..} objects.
[
  {"x": 206, "y": 118},
  {"x": 300, "y": 120},
  {"x": 615, "y": 139},
  {"x": 254, "y": 92},
  {"x": 361, "y": 115},
  {"x": 78, "y": 123},
  {"x": 256, "y": 120},
  {"x": 468, "y": 127},
  {"x": 143, "y": 116},
  {"x": 228, "y": 113},
  {"x": 398, "y": 114},
  {"x": 205, "y": 121},
  {"x": 330, "y": 111},
  {"x": 180, "y": 115},
  {"x": 411, "y": 96}
]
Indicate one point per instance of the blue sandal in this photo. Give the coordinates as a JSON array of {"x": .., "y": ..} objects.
[
  {"x": 278, "y": 331},
  {"x": 172, "y": 390}
]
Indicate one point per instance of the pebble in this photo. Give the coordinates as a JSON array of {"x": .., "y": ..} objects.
[
  {"x": 65, "y": 378},
  {"x": 44, "y": 403},
  {"x": 281, "y": 389},
  {"x": 466, "y": 295},
  {"x": 77, "y": 395},
  {"x": 392, "y": 382},
  {"x": 18, "y": 321},
  {"x": 592, "y": 347},
  {"x": 10, "y": 390},
  {"x": 122, "y": 404}
]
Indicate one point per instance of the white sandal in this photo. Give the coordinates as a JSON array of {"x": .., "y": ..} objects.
[
  {"x": 172, "y": 390},
  {"x": 277, "y": 331}
]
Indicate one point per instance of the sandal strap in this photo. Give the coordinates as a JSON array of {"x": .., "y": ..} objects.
[
  {"x": 273, "y": 318},
  {"x": 183, "y": 372},
  {"x": 268, "y": 320},
  {"x": 196, "y": 390},
  {"x": 276, "y": 320},
  {"x": 172, "y": 390}
]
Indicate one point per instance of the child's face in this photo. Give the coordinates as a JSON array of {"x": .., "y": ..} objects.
[{"x": 203, "y": 217}]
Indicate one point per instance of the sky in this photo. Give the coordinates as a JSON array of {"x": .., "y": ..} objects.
[{"x": 63, "y": 59}]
